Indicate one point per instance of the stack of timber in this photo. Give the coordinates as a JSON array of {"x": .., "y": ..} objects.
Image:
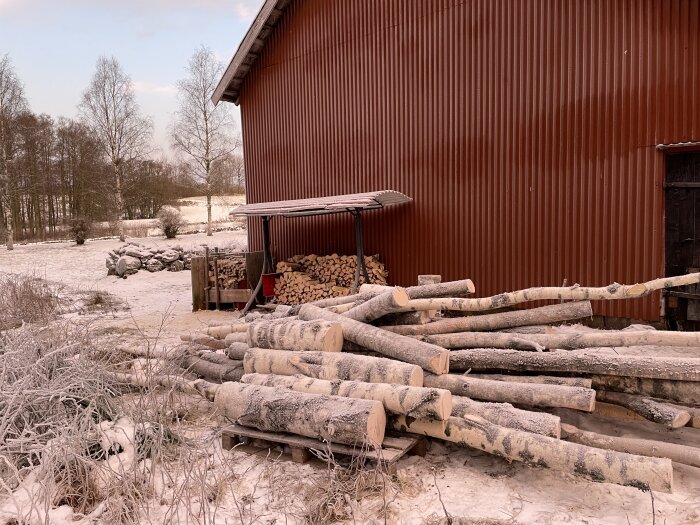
[
  {"x": 231, "y": 272},
  {"x": 337, "y": 370},
  {"x": 307, "y": 278}
]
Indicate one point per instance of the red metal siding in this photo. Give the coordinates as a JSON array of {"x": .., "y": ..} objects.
[{"x": 524, "y": 130}]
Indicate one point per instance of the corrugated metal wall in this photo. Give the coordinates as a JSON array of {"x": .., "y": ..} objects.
[{"x": 524, "y": 130}]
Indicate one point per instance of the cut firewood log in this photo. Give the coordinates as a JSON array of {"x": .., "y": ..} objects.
[
  {"x": 608, "y": 364},
  {"x": 332, "y": 418},
  {"x": 314, "y": 336},
  {"x": 378, "y": 306},
  {"x": 505, "y": 415},
  {"x": 687, "y": 392},
  {"x": 582, "y": 382},
  {"x": 220, "y": 332},
  {"x": 204, "y": 340},
  {"x": 531, "y": 394},
  {"x": 480, "y": 340},
  {"x": 332, "y": 365},
  {"x": 418, "y": 402},
  {"x": 572, "y": 293},
  {"x": 642, "y": 447},
  {"x": 476, "y": 323},
  {"x": 429, "y": 357},
  {"x": 236, "y": 337},
  {"x": 650, "y": 409},
  {"x": 515, "y": 445},
  {"x": 447, "y": 289},
  {"x": 236, "y": 350}
]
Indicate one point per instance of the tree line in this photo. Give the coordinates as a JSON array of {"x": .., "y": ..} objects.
[{"x": 101, "y": 166}]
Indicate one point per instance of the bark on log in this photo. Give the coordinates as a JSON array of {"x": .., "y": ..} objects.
[
  {"x": 238, "y": 337},
  {"x": 447, "y": 289},
  {"x": 648, "y": 408},
  {"x": 607, "y": 364},
  {"x": 686, "y": 392},
  {"x": 531, "y": 394},
  {"x": 533, "y": 449},
  {"x": 423, "y": 317},
  {"x": 302, "y": 336},
  {"x": 198, "y": 386},
  {"x": 571, "y": 293},
  {"x": 641, "y": 447},
  {"x": 610, "y": 338},
  {"x": 476, "y": 323},
  {"x": 417, "y": 402},
  {"x": 481, "y": 340},
  {"x": 220, "y": 332},
  {"x": 216, "y": 368},
  {"x": 237, "y": 351},
  {"x": 204, "y": 340},
  {"x": 378, "y": 306},
  {"x": 582, "y": 382},
  {"x": 332, "y": 365},
  {"x": 505, "y": 415},
  {"x": 341, "y": 308},
  {"x": 429, "y": 357},
  {"x": 429, "y": 279},
  {"x": 332, "y": 418}
]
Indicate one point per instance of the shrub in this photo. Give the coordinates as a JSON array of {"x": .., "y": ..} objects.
[
  {"x": 80, "y": 229},
  {"x": 170, "y": 221}
]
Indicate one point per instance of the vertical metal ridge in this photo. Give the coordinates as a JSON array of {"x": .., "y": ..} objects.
[{"x": 524, "y": 131}]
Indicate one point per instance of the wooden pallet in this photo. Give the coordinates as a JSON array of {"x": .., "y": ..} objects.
[{"x": 394, "y": 447}]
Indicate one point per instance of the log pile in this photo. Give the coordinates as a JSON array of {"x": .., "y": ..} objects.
[
  {"x": 307, "y": 278},
  {"x": 231, "y": 272},
  {"x": 338, "y": 370}
]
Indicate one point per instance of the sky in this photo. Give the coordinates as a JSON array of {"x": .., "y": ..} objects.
[{"x": 54, "y": 45}]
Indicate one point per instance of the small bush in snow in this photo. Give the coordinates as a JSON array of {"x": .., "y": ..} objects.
[
  {"x": 80, "y": 229},
  {"x": 170, "y": 221}
]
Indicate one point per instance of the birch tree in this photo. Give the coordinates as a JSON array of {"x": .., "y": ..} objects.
[
  {"x": 12, "y": 103},
  {"x": 201, "y": 131},
  {"x": 109, "y": 107}
]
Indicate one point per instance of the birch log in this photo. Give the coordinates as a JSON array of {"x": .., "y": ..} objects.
[
  {"x": 687, "y": 392},
  {"x": 607, "y": 364},
  {"x": 332, "y": 418},
  {"x": 447, "y": 289},
  {"x": 571, "y": 293},
  {"x": 482, "y": 340},
  {"x": 236, "y": 350},
  {"x": 533, "y": 449},
  {"x": 611, "y": 338},
  {"x": 237, "y": 337},
  {"x": 204, "y": 340},
  {"x": 378, "y": 306},
  {"x": 658, "y": 412},
  {"x": 417, "y": 402},
  {"x": 429, "y": 357},
  {"x": 582, "y": 382},
  {"x": 642, "y": 447},
  {"x": 476, "y": 323},
  {"x": 220, "y": 332},
  {"x": 216, "y": 368},
  {"x": 423, "y": 317},
  {"x": 303, "y": 336},
  {"x": 506, "y": 415},
  {"x": 531, "y": 394},
  {"x": 332, "y": 365}
]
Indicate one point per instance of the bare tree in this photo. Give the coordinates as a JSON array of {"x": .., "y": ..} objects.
[
  {"x": 12, "y": 103},
  {"x": 202, "y": 131},
  {"x": 109, "y": 107}
]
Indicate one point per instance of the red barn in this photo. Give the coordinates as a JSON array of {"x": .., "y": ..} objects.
[{"x": 541, "y": 140}]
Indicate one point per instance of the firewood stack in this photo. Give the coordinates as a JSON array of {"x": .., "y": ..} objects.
[
  {"x": 520, "y": 384},
  {"x": 307, "y": 278},
  {"x": 231, "y": 272}
]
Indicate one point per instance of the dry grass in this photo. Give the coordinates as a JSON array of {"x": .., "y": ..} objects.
[{"x": 26, "y": 299}]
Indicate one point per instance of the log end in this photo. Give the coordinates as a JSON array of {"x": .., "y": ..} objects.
[
  {"x": 470, "y": 286},
  {"x": 440, "y": 364},
  {"x": 376, "y": 424},
  {"x": 416, "y": 377},
  {"x": 400, "y": 296},
  {"x": 445, "y": 405},
  {"x": 680, "y": 420},
  {"x": 333, "y": 340}
]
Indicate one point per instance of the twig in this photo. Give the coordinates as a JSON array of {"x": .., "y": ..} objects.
[{"x": 444, "y": 509}]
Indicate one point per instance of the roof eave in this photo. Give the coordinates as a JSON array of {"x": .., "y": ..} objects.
[{"x": 248, "y": 51}]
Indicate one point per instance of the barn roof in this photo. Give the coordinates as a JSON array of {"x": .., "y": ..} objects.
[
  {"x": 229, "y": 86},
  {"x": 323, "y": 205}
]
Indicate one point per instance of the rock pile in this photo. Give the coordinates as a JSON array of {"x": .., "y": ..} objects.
[{"x": 132, "y": 257}]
